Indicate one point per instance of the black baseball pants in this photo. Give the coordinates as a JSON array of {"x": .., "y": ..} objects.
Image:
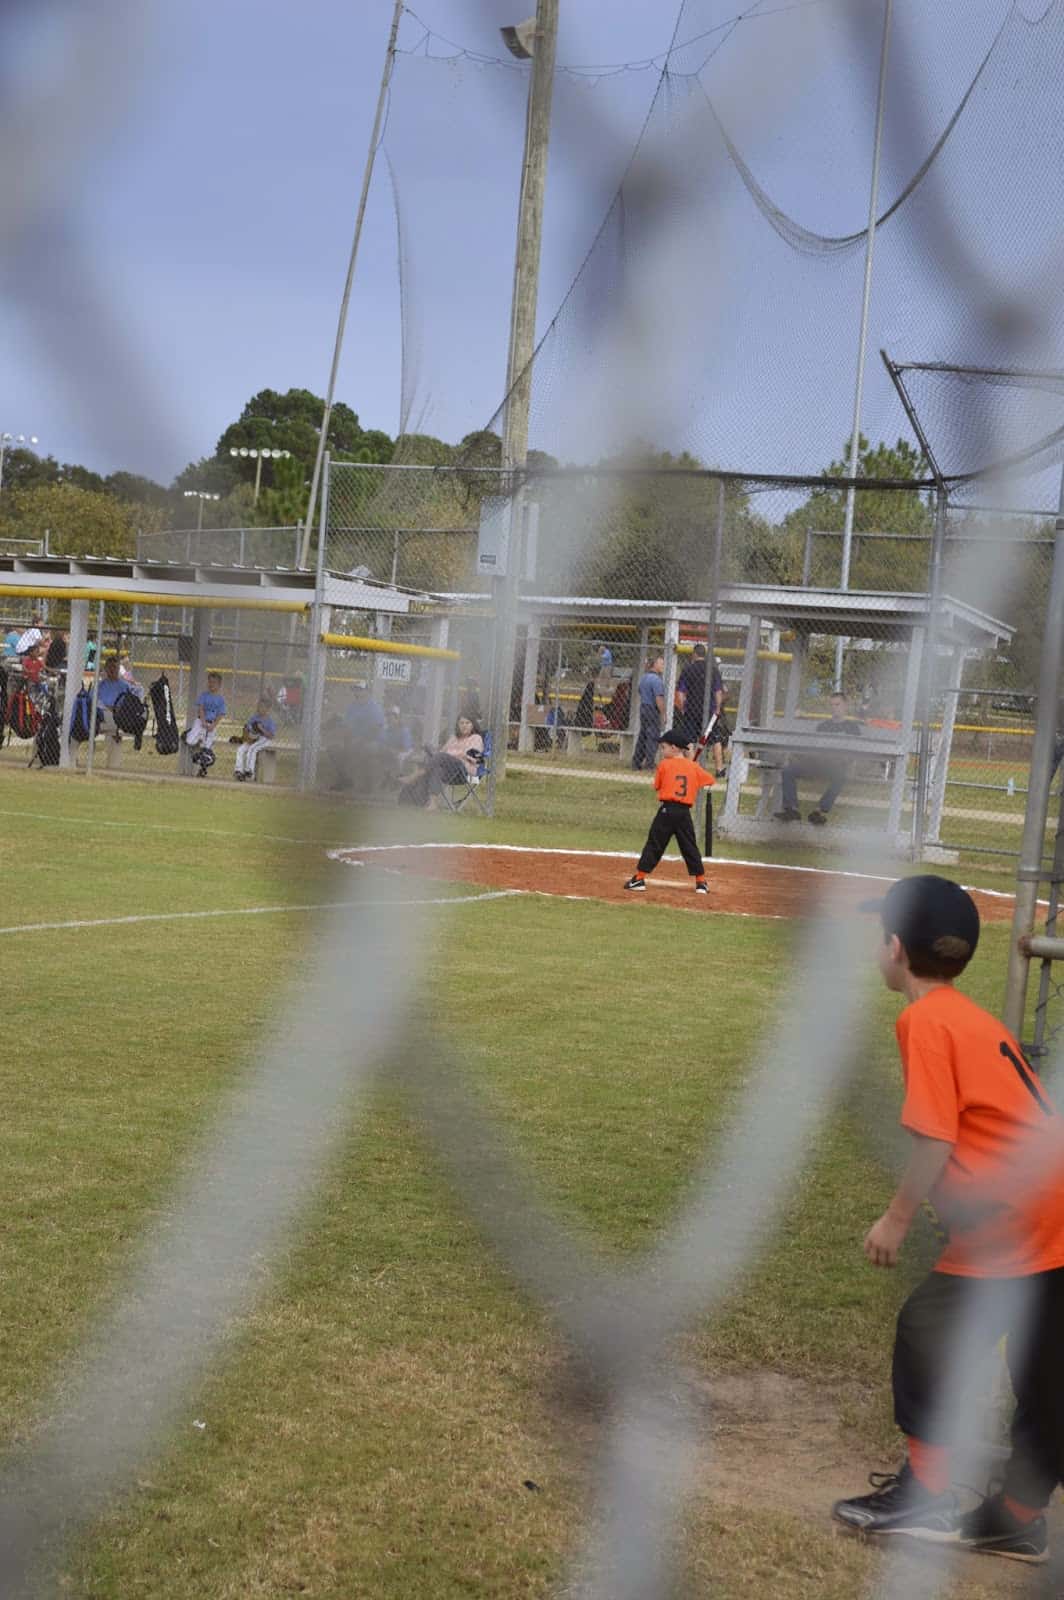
[
  {"x": 947, "y": 1320},
  {"x": 673, "y": 821}
]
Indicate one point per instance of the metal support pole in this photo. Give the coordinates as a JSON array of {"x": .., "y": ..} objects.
[
  {"x": 715, "y": 582},
  {"x": 437, "y": 683},
  {"x": 672, "y": 640},
  {"x": 197, "y": 678},
  {"x": 927, "y": 685},
  {"x": 528, "y": 684},
  {"x": 932, "y": 833},
  {"x": 792, "y": 691},
  {"x": 519, "y": 362},
  {"x": 77, "y": 640},
  {"x": 918, "y": 651},
  {"x": 95, "y": 687},
  {"x": 314, "y": 698},
  {"x": 341, "y": 325},
  {"x": 1039, "y": 1045},
  {"x": 866, "y": 300},
  {"x": 1032, "y": 847},
  {"x": 319, "y": 623},
  {"x": 742, "y": 715}
]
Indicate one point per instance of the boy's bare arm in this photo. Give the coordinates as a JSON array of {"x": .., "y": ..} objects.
[{"x": 926, "y": 1165}]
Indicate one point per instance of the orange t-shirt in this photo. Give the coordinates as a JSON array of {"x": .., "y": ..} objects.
[
  {"x": 1001, "y": 1196},
  {"x": 679, "y": 780}
]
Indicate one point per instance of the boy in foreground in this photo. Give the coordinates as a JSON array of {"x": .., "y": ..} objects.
[
  {"x": 677, "y": 781},
  {"x": 987, "y": 1153}
]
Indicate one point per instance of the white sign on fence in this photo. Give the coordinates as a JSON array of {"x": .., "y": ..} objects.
[{"x": 393, "y": 669}]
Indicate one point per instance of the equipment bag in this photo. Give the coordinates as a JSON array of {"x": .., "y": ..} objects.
[
  {"x": 131, "y": 716},
  {"x": 81, "y": 716},
  {"x": 47, "y": 742},
  {"x": 23, "y": 717},
  {"x": 167, "y": 733}
]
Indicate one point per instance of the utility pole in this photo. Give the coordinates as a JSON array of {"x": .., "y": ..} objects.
[
  {"x": 540, "y": 42},
  {"x": 341, "y": 325},
  {"x": 866, "y": 300}
]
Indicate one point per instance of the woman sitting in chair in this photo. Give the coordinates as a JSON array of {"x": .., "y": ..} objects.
[{"x": 456, "y": 762}]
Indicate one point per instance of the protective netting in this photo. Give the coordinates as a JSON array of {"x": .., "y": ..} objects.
[
  {"x": 997, "y": 436},
  {"x": 738, "y": 219}
]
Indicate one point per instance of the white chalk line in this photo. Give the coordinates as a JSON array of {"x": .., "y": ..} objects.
[
  {"x": 627, "y": 855},
  {"x": 68, "y": 820},
  {"x": 263, "y": 911}
]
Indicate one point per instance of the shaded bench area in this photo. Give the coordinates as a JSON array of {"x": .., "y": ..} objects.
[{"x": 892, "y": 751}]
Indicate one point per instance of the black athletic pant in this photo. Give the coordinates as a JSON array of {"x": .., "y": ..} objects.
[
  {"x": 947, "y": 1315},
  {"x": 673, "y": 821}
]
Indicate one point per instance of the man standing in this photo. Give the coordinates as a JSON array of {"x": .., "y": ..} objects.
[
  {"x": 692, "y": 712},
  {"x": 651, "y": 711},
  {"x": 828, "y": 769}
]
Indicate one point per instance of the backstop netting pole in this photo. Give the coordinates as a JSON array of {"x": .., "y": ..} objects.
[{"x": 1029, "y": 874}]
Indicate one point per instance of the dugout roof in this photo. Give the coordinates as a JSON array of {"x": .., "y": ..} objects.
[
  {"x": 226, "y": 587},
  {"x": 854, "y": 613}
]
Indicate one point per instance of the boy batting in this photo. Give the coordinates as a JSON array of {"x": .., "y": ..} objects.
[
  {"x": 677, "y": 781},
  {"x": 986, "y": 1151}
]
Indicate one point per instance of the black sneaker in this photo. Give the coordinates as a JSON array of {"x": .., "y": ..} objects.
[
  {"x": 992, "y": 1530},
  {"x": 899, "y": 1503},
  {"x": 818, "y": 818},
  {"x": 637, "y": 885},
  {"x": 789, "y": 815},
  {"x": 701, "y": 888}
]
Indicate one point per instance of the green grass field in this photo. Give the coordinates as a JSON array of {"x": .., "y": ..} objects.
[{"x": 372, "y": 1427}]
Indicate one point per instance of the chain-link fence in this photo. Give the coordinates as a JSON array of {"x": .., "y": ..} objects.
[
  {"x": 234, "y": 547},
  {"x": 862, "y": 678},
  {"x": 858, "y": 676}
]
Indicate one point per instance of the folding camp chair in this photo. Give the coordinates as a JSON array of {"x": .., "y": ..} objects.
[{"x": 456, "y": 796}]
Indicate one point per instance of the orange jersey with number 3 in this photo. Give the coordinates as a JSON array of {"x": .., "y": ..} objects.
[{"x": 679, "y": 780}]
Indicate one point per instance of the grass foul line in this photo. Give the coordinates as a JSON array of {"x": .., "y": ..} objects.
[{"x": 262, "y": 911}]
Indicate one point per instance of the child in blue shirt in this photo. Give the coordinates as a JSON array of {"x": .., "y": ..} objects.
[
  {"x": 210, "y": 709},
  {"x": 259, "y": 733}
]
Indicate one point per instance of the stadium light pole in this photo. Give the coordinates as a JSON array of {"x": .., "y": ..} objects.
[
  {"x": 862, "y": 344},
  {"x": 201, "y": 495},
  {"x": 17, "y": 440},
  {"x": 259, "y": 457},
  {"x": 341, "y": 325},
  {"x": 537, "y": 39}
]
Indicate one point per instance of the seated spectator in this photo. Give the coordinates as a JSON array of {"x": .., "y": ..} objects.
[
  {"x": 396, "y": 736},
  {"x": 584, "y": 715},
  {"x": 364, "y": 718},
  {"x": 30, "y": 638},
  {"x": 210, "y": 709},
  {"x": 110, "y": 690},
  {"x": 259, "y": 734},
  {"x": 457, "y": 762},
  {"x": 56, "y": 659},
  {"x": 830, "y": 769},
  {"x": 357, "y": 749},
  {"x": 33, "y": 664},
  {"x": 11, "y": 639},
  {"x": 290, "y": 699},
  {"x": 617, "y": 711}
]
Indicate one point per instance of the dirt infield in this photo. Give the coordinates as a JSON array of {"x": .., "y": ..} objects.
[{"x": 742, "y": 888}]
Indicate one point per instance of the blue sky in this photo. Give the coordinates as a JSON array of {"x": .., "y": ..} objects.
[{"x": 189, "y": 245}]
